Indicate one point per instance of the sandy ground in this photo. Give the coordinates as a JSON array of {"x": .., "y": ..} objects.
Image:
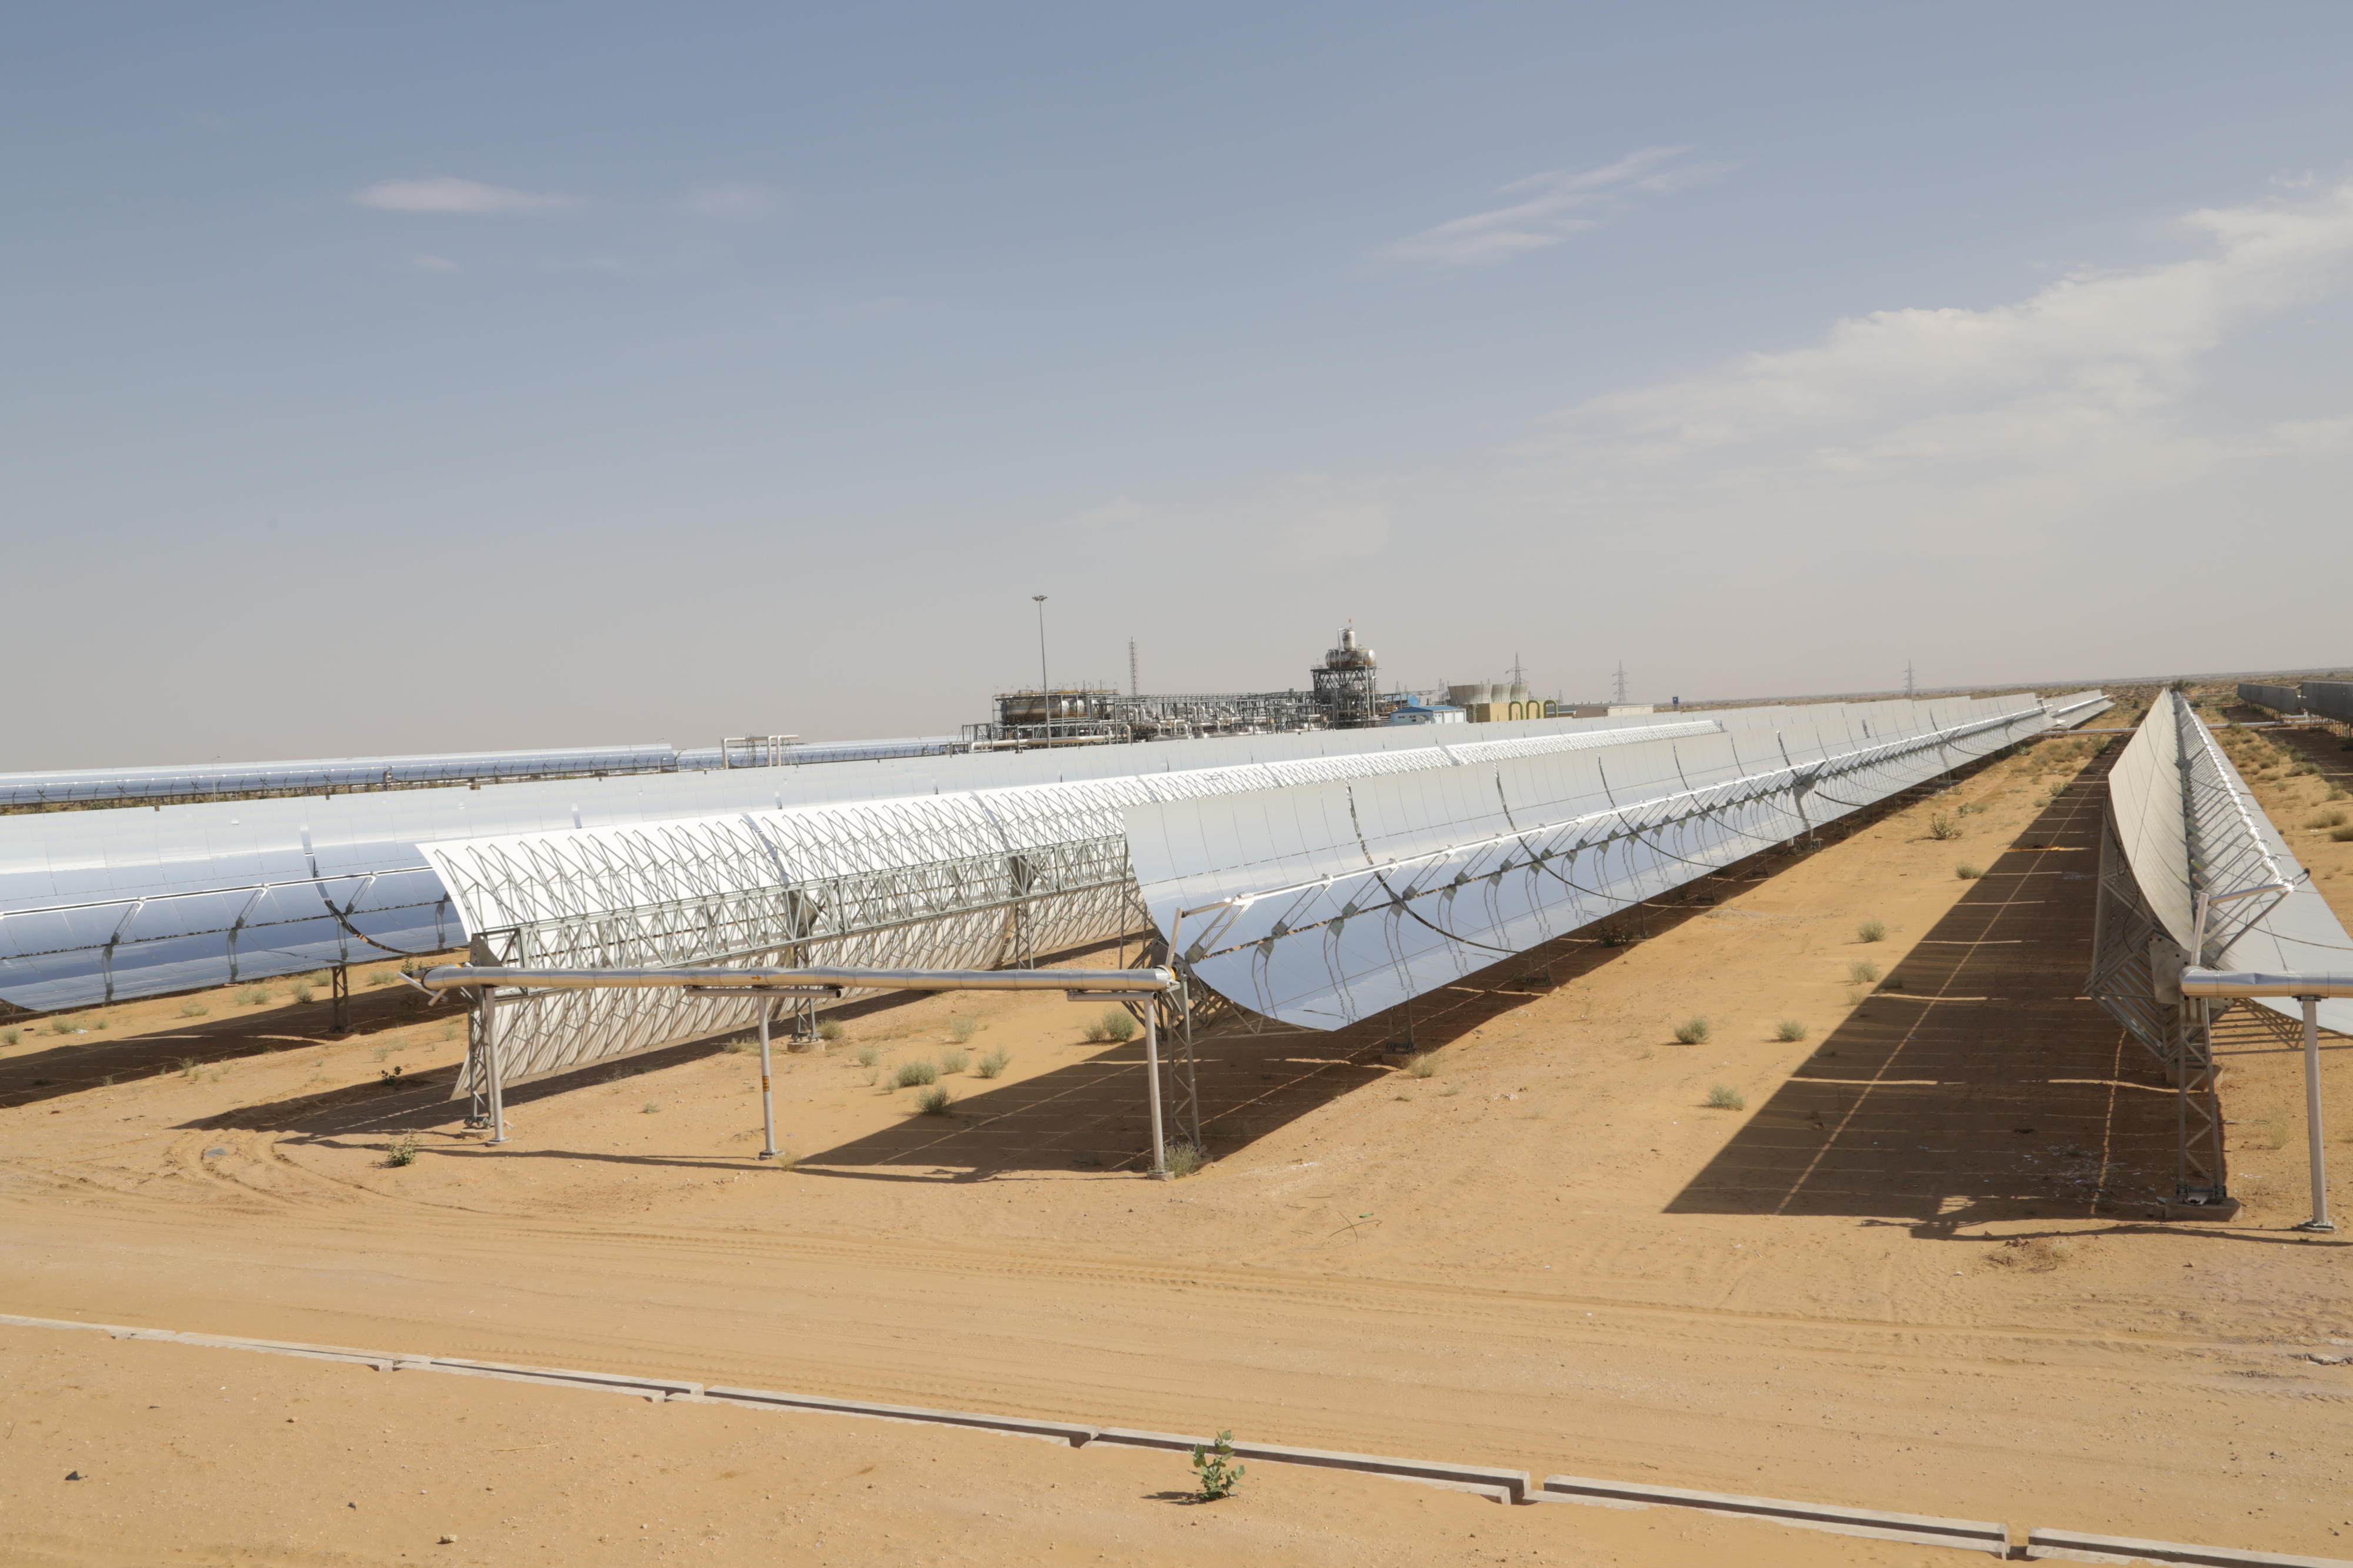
[{"x": 1917, "y": 1268}]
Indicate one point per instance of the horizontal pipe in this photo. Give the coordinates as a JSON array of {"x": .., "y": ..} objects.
[
  {"x": 461, "y": 976},
  {"x": 2240, "y": 983}
]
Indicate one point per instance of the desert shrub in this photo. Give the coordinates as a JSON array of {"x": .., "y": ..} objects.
[
  {"x": 1969, "y": 873},
  {"x": 868, "y": 1054},
  {"x": 934, "y": 1101},
  {"x": 954, "y": 1061},
  {"x": 1871, "y": 930},
  {"x": 1423, "y": 1065},
  {"x": 1693, "y": 1032},
  {"x": 1118, "y": 1024},
  {"x": 187, "y": 1010},
  {"x": 1181, "y": 1158},
  {"x": 402, "y": 1152},
  {"x": 913, "y": 1074},
  {"x": 992, "y": 1065},
  {"x": 254, "y": 995},
  {"x": 302, "y": 993},
  {"x": 1723, "y": 1097},
  {"x": 2327, "y": 819},
  {"x": 65, "y": 1026},
  {"x": 10, "y": 1037},
  {"x": 1789, "y": 1029},
  {"x": 961, "y": 1030},
  {"x": 2342, "y": 835},
  {"x": 828, "y": 1029},
  {"x": 382, "y": 977},
  {"x": 1943, "y": 827},
  {"x": 651, "y": 1108},
  {"x": 739, "y": 1046},
  {"x": 1215, "y": 1465}
]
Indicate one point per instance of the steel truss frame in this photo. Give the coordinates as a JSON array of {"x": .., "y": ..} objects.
[
  {"x": 973, "y": 882},
  {"x": 1503, "y": 891},
  {"x": 2232, "y": 880}
]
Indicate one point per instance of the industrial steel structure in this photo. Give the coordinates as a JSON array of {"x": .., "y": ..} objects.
[
  {"x": 2330, "y": 700},
  {"x": 100, "y": 906},
  {"x": 2193, "y": 875},
  {"x": 341, "y": 775},
  {"x": 981, "y": 880},
  {"x": 1324, "y": 901}
]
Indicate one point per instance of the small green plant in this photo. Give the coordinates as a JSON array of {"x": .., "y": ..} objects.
[
  {"x": 828, "y": 1029},
  {"x": 1943, "y": 827},
  {"x": 1214, "y": 1464},
  {"x": 253, "y": 996},
  {"x": 1969, "y": 873},
  {"x": 962, "y": 1029},
  {"x": 382, "y": 977},
  {"x": 868, "y": 1054},
  {"x": 954, "y": 1061},
  {"x": 993, "y": 1065},
  {"x": 190, "y": 1068},
  {"x": 1424, "y": 1065},
  {"x": 302, "y": 992},
  {"x": 1973, "y": 807},
  {"x": 1863, "y": 972},
  {"x": 1723, "y": 1097},
  {"x": 187, "y": 1010},
  {"x": 1871, "y": 930},
  {"x": 65, "y": 1026},
  {"x": 739, "y": 1046},
  {"x": 934, "y": 1101},
  {"x": 913, "y": 1074},
  {"x": 1693, "y": 1032},
  {"x": 402, "y": 1152},
  {"x": 1789, "y": 1029},
  {"x": 10, "y": 1037},
  {"x": 1118, "y": 1024},
  {"x": 1181, "y": 1158},
  {"x": 651, "y": 1108},
  {"x": 1855, "y": 998}
]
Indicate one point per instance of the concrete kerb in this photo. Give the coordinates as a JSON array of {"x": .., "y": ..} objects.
[
  {"x": 1919, "y": 1530},
  {"x": 1061, "y": 1432},
  {"x": 1504, "y": 1485},
  {"x": 2076, "y": 1546}
]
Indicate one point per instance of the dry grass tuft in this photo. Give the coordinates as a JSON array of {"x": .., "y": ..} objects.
[
  {"x": 1789, "y": 1029},
  {"x": 1871, "y": 930},
  {"x": 1694, "y": 1032},
  {"x": 1723, "y": 1097},
  {"x": 914, "y": 1075}
]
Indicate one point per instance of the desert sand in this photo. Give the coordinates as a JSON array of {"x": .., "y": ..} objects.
[{"x": 1917, "y": 1268}]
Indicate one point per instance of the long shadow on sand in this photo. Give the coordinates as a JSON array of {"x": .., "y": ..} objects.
[
  {"x": 1986, "y": 1087},
  {"x": 91, "y": 1061}
]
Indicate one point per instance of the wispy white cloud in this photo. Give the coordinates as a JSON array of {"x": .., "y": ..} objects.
[
  {"x": 733, "y": 203},
  {"x": 2078, "y": 389},
  {"x": 424, "y": 263},
  {"x": 1551, "y": 207},
  {"x": 455, "y": 195}
]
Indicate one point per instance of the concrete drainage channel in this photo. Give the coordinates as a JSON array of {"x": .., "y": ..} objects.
[{"x": 1503, "y": 1486}]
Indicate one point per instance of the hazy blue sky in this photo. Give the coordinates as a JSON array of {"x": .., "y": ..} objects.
[{"x": 422, "y": 376}]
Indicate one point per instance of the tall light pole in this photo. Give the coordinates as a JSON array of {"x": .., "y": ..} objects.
[{"x": 1044, "y": 696}]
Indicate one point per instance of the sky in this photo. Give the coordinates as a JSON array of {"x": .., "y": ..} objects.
[{"x": 453, "y": 377}]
